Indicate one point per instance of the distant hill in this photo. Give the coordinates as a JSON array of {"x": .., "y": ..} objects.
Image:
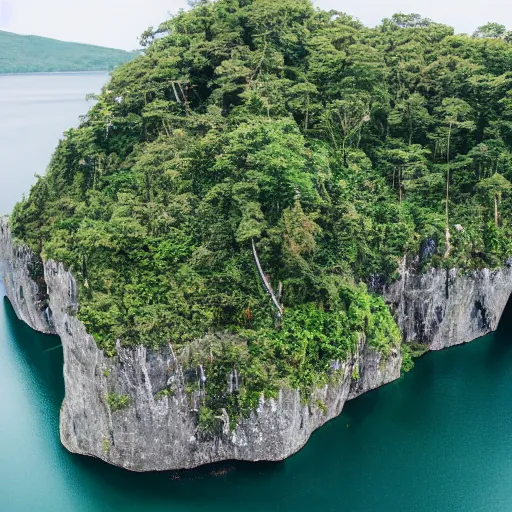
[{"x": 28, "y": 54}]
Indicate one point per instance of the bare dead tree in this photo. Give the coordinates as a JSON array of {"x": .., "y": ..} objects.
[{"x": 266, "y": 283}]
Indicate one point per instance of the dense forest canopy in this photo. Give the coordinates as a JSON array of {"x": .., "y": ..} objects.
[
  {"x": 255, "y": 133},
  {"x": 30, "y": 54}
]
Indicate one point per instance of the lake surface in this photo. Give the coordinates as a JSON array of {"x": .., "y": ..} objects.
[
  {"x": 437, "y": 440},
  {"x": 35, "y": 110}
]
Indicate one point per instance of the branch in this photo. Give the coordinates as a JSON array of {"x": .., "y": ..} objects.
[
  {"x": 184, "y": 98},
  {"x": 175, "y": 92},
  {"x": 266, "y": 284}
]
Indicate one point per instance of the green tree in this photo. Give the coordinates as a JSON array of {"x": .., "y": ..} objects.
[
  {"x": 494, "y": 187},
  {"x": 411, "y": 115},
  {"x": 491, "y": 30},
  {"x": 343, "y": 120}
]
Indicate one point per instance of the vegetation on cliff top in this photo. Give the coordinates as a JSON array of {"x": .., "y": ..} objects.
[
  {"x": 273, "y": 131},
  {"x": 30, "y": 54}
]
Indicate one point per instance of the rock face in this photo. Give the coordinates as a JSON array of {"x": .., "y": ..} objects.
[
  {"x": 442, "y": 308},
  {"x": 153, "y": 432},
  {"x": 18, "y": 268}
]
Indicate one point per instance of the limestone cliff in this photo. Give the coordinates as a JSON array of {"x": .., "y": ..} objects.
[
  {"x": 19, "y": 269},
  {"x": 441, "y": 308},
  {"x": 159, "y": 433}
]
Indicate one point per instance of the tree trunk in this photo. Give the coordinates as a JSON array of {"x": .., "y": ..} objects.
[
  {"x": 400, "y": 185},
  {"x": 266, "y": 284},
  {"x": 306, "y": 121},
  {"x": 447, "y": 231},
  {"x": 496, "y": 215},
  {"x": 178, "y": 100}
]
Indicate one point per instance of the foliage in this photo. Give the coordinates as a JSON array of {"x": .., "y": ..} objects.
[
  {"x": 301, "y": 354},
  {"x": 208, "y": 422},
  {"x": 321, "y": 405},
  {"x": 117, "y": 402},
  {"x": 29, "y": 54},
  {"x": 410, "y": 352},
  {"x": 334, "y": 148},
  {"x": 163, "y": 393}
]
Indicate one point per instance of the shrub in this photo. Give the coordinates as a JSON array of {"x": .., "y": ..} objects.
[{"x": 117, "y": 402}]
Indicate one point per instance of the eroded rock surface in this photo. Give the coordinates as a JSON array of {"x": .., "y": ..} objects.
[{"x": 441, "y": 308}]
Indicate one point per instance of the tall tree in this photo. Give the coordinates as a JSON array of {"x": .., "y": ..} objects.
[
  {"x": 491, "y": 30},
  {"x": 411, "y": 113},
  {"x": 494, "y": 187},
  {"x": 455, "y": 115},
  {"x": 343, "y": 120}
]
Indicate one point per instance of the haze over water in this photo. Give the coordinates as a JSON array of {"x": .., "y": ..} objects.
[
  {"x": 35, "y": 110},
  {"x": 437, "y": 440}
]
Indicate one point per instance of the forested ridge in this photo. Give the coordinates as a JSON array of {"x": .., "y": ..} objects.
[
  {"x": 31, "y": 54},
  {"x": 262, "y": 163}
]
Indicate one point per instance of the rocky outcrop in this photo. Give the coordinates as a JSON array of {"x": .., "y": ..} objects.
[
  {"x": 441, "y": 308},
  {"x": 159, "y": 431},
  {"x": 20, "y": 271}
]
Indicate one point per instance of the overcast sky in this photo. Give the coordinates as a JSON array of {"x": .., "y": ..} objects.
[{"x": 118, "y": 23}]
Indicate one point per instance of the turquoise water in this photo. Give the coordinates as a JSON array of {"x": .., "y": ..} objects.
[{"x": 437, "y": 440}]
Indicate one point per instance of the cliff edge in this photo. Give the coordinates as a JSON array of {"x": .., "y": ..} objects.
[{"x": 160, "y": 432}]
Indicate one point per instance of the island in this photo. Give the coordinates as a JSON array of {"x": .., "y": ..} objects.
[{"x": 270, "y": 211}]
